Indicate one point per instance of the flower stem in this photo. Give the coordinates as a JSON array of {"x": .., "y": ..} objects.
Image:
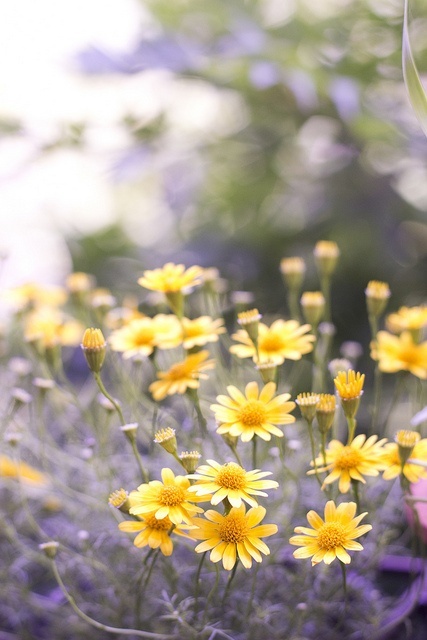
[
  {"x": 254, "y": 452},
  {"x": 344, "y": 582},
  {"x": 228, "y": 585},
  {"x": 197, "y": 585},
  {"x": 110, "y": 398}
]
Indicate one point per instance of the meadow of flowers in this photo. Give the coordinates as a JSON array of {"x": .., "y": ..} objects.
[{"x": 185, "y": 465}]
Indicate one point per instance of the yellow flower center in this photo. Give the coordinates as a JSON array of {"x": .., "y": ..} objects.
[
  {"x": 143, "y": 336},
  {"x": 160, "y": 525},
  {"x": 231, "y": 476},
  {"x": 409, "y": 355},
  {"x": 233, "y": 528},
  {"x": 348, "y": 458},
  {"x": 194, "y": 330},
  {"x": 271, "y": 342},
  {"x": 252, "y": 413},
  {"x": 171, "y": 496},
  {"x": 178, "y": 371},
  {"x": 331, "y": 535}
]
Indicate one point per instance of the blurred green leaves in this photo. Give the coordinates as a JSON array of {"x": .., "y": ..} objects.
[{"x": 417, "y": 94}]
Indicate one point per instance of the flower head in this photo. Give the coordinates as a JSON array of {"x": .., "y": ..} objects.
[
  {"x": 253, "y": 412},
  {"x": 307, "y": 403},
  {"x": 141, "y": 336},
  {"x": 200, "y": 331},
  {"x": 182, "y": 376},
  {"x": 377, "y": 294},
  {"x": 50, "y": 328},
  {"x": 313, "y": 306},
  {"x": 362, "y": 457},
  {"x": 293, "y": 270},
  {"x": 332, "y": 537},
  {"x": 407, "y": 319},
  {"x": 31, "y": 295},
  {"x": 325, "y": 411},
  {"x": 152, "y": 532},
  {"x": 230, "y": 481},
  {"x": 169, "y": 498},
  {"x": 392, "y": 461},
  {"x": 171, "y": 278},
  {"x": 23, "y": 471},
  {"x": 349, "y": 384},
  {"x": 400, "y": 353},
  {"x": 166, "y": 438},
  {"x": 236, "y": 535},
  {"x": 326, "y": 254},
  {"x": 282, "y": 340},
  {"x": 94, "y": 348}
]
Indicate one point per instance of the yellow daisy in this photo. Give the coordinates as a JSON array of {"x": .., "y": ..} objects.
[
  {"x": 31, "y": 295},
  {"x": 362, "y": 457},
  {"x": 171, "y": 278},
  {"x": 152, "y": 532},
  {"x": 233, "y": 536},
  {"x": 349, "y": 384},
  {"x": 49, "y": 327},
  {"x": 22, "y": 470},
  {"x": 332, "y": 537},
  {"x": 230, "y": 481},
  {"x": 393, "y": 464},
  {"x": 141, "y": 336},
  {"x": 253, "y": 413},
  {"x": 182, "y": 376},
  {"x": 169, "y": 498},
  {"x": 407, "y": 319},
  {"x": 200, "y": 331},
  {"x": 400, "y": 353},
  {"x": 282, "y": 340}
]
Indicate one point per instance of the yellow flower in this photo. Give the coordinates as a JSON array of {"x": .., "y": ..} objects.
[
  {"x": 230, "y": 481},
  {"x": 79, "y": 282},
  {"x": 22, "y": 470},
  {"x": 362, "y": 457},
  {"x": 283, "y": 340},
  {"x": 141, "y": 336},
  {"x": 152, "y": 532},
  {"x": 326, "y": 254},
  {"x": 400, "y": 353},
  {"x": 393, "y": 463},
  {"x": 171, "y": 278},
  {"x": 50, "y": 328},
  {"x": 94, "y": 348},
  {"x": 30, "y": 295},
  {"x": 182, "y": 376},
  {"x": 407, "y": 319},
  {"x": 349, "y": 384},
  {"x": 200, "y": 331},
  {"x": 332, "y": 537},
  {"x": 169, "y": 498},
  {"x": 233, "y": 536},
  {"x": 253, "y": 413},
  {"x": 377, "y": 293}
]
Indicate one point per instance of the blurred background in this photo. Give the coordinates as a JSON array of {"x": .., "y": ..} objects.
[{"x": 228, "y": 133}]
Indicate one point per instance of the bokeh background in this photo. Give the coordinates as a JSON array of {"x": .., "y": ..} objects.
[{"x": 228, "y": 133}]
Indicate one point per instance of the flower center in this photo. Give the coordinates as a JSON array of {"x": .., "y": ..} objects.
[
  {"x": 231, "y": 476},
  {"x": 194, "y": 330},
  {"x": 160, "y": 525},
  {"x": 144, "y": 336},
  {"x": 348, "y": 458},
  {"x": 331, "y": 535},
  {"x": 252, "y": 413},
  {"x": 271, "y": 342},
  {"x": 409, "y": 355},
  {"x": 171, "y": 496},
  {"x": 233, "y": 528},
  {"x": 178, "y": 372}
]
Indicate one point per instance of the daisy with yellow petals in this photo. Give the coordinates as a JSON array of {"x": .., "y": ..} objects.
[
  {"x": 230, "y": 481},
  {"x": 169, "y": 498},
  {"x": 392, "y": 461},
  {"x": 182, "y": 376},
  {"x": 141, "y": 336},
  {"x": 200, "y": 331},
  {"x": 253, "y": 412},
  {"x": 400, "y": 353},
  {"x": 283, "y": 340},
  {"x": 152, "y": 532},
  {"x": 236, "y": 535},
  {"x": 412, "y": 319},
  {"x": 171, "y": 278},
  {"x": 332, "y": 537},
  {"x": 362, "y": 457}
]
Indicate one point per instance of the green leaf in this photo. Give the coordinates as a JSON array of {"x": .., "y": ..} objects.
[{"x": 416, "y": 91}]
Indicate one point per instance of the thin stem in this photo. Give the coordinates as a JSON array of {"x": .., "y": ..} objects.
[
  {"x": 100, "y": 625},
  {"x": 210, "y": 595},
  {"x": 254, "y": 452},
  {"x": 110, "y": 398},
  {"x": 355, "y": 487},
  {"x": 197, "y": 585},
  {"x": 228, "y": 585},
  {"x": 351, "y": 429},
  {"x": 236, "y": 455},
  {"x": 344, "y": 582}
]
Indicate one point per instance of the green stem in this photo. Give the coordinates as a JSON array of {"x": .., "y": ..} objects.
[
  {"x": 110, "y": 398},
  {"x": 351, "y": 429},
  {"x": 228, "y": 586},
  {"x": 138, "y": 460},
  {"x": 254, "y": 452},
  {"x": 100, "y": 625},
  {"x": 197, "y": 585},
  {"x": 344, "y": 582},
  {"x": 355, "y": 487},
  {"x": 211, "y": 595},
  {"x": 313, "y": 451},
  {"x": 293, "y": 302},
  {"x": 236, "y": 455}
]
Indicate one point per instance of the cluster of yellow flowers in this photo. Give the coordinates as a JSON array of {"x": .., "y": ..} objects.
[{"x": 252, "y": 411}]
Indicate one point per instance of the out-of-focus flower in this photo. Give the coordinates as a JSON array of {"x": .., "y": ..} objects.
[
  {"x": 400, "y": 353},
  {"x": 307, "y": 403},
  {"x": 325, "y": 412},
  {"x": 293, "y": 270},
  {"x": 253, "y": 412},
  {"x": 412, "y": 319},
  {"x": 23, "y": 471},
  {"x": 171, "y": 278},
  {"x": 200, "y": 331},
  {"x": 326, "y": 254},
  {"x": 362, "y": 457},
  {"x": 169, "y": 498},
  {"x": 141, "y": 336},
  {"x": 79, "y": 282},
  {"x": 332, "y": 537},
  {"x": 50, "y": 328},
  {"x": 230, "y": 481},
  {"x": 282, "y": 340},
  {"x": 349, "y": 386},
  {"x": 152, "y": 532},
  {"x": 182, "y": 376},
  {"x": 393, "y": 463},
  {"x": 236, "y": 535},
  {"x": 377, "y": 294},
  {"x": 31, "y": 295},
  {"x": 313, "y": 306}
]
